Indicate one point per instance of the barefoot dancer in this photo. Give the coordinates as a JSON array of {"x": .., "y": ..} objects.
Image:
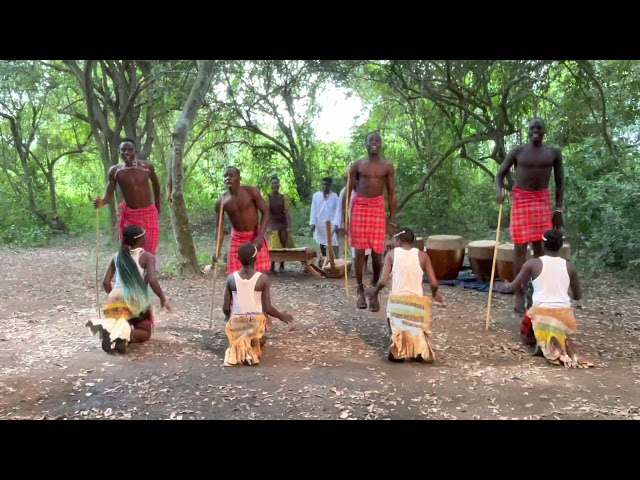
[
  {"x": 128, "y": 316},
  {"x": 279, "y": 226},
  {"x": 250, "y": 293},
  {"x": 367, "y": 221},
  {"x": 531, "y": 209},
  {"x": 408, "y": 310},
  {"x": 133, "y": 177}
]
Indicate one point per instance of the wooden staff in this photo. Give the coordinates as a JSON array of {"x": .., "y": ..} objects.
[
  {"x": 346, "y": 235},
  {"x": 215, "y": 264},
  {"x": 493, "y": 268},
  {"x": 97, "y": 259}
]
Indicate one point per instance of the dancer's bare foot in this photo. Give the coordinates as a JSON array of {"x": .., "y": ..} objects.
[{"x": 362, "y": 302}]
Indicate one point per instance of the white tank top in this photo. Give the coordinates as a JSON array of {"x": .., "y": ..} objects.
[
  {"x": 135, "y": 254},
  {"x": 245, "y": 298},
  {"x": 551, "y": 287},
  {"x": 407, "y": 272}
]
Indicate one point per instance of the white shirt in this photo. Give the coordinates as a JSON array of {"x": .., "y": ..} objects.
[
  {"x": 322, "y": 210},
  {"x": 551, "y": 287},
  {"x": 245, "y": 298}
]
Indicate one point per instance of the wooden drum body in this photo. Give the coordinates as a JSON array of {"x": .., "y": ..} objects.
[
  {"x": 446, "y": 253},
  {"x": 504, "y": 263},
  {"x": 481, "y": 258}
]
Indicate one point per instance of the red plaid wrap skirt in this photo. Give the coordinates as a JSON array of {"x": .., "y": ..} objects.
[
  {"x": 530, "y": 215},
  {"x": 368, "y": 224},
  {"x": 263, "y": 262},
  {"x": 147, "y": 218}
]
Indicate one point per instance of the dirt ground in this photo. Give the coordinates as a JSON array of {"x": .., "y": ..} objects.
[{"x": 331, "y": 365}]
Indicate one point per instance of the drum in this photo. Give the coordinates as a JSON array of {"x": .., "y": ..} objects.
[
  {"x": 504, "y": 263},
  {"x": 481, "y": 258},
  {"x": 446, "y": 253},
  {"x": 419, "y": 243},
  {"x": 565, "y": 251}
]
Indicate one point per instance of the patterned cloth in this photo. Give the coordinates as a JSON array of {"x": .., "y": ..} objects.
[
  {"x": 410, "y": 321},
  {"x": 530, "y": 215},
  {"x": 367, "y": 222},
  {"x": 552, "y": 326},
  {"x": 244, "y": 333},
  {"x": 147, "y": 218},
  {"x": 263, "y": 262}
]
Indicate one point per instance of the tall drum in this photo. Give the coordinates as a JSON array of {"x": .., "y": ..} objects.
[
  {"x": 504, "y": 263},
  {"x": 446, "y": 253},
  {"x": 481, "y": 258}
]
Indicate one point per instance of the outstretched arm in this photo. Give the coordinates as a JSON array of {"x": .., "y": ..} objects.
[
  {"x": 217, "y": 230},
  {"x": 111, "y": 187},
  {"x": 509, "y": 161},
  {"x": 386, "y": 273},
  {"x": 427, "y": 267},
  {"x": 270, "y": 309},
  {"x": 148, "y": 262},
  {"x": 520, "y": 280},
  {"x": 226, "y": 302},
  {"x": 574, "y": 283},
  {"x": 155, "y": 184},
  {"x": 108, "y": 276},
  {"x": 264, "y": 209}
]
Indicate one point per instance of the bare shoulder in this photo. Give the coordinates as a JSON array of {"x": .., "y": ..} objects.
[
  {"x": 113, "y": 169},
  {"x": 571, "y": 268},
  {"x": 252, "y": 190},
  {"x": 556, "y": 152},
  {"x": 147, "y": 258},
  {"x": 388, "y": 164},
  {"x": 231, "y": 281},
  {"x": 262, "y": 283}
]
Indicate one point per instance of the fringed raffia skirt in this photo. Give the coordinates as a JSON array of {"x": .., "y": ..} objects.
[
  {"x": 552, "y": 327},
  {"x": 410, "y": 322},
  {"x": 244, "y": 333}
]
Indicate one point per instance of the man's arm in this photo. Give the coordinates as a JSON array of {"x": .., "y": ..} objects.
[
  {"x": 264, "y": 222},
  {"x": 148, "y": 262},
  {"x": 108, "y": 276},
  {"x": 427, "y": 267},
  {"x": 509, "y": 161},
  {"x": 558, "y": 173},
  {"x": 574, "y": 283},
  {"x": 111, "y": 187},
  {"x": 226, "y": 302},
  {"x": 216, "y": 208},
  {"x": 155, "y": 184},
  {"x": 391, "y": 191},
  {"x": 520, "y": 280},
  {"x": 386, "y": 273},
  {"x": 266, "y": 302}
]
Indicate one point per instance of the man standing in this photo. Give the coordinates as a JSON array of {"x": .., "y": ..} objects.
[
  {"x": 367, "y": 220},
  {"x": 279, "y": 227},
  {"x": 531, "y": 210},
  {"x": 137, "y": 209},
  {"x": 323, "y": 208},
  {"x": 241, "y": 204}
]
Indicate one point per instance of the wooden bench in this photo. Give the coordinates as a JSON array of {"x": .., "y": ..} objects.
[{"x": 304, "y": 255}]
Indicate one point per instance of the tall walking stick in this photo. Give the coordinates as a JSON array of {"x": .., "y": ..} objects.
[
  {"x": 215, "y": 264},
  {"x": 493, "y": 267}
]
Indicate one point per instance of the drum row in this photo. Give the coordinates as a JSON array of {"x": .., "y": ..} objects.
[{"x": 447, "y": 255}]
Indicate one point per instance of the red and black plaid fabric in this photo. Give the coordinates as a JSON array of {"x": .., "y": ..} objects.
[
  {"x": 147, "y": 218},
  {"x": 263, "y": 262},
  {"x": 530, "y": 215},
  {"x": 526, "y": 327},
  {"x": 368, "y": 224}
]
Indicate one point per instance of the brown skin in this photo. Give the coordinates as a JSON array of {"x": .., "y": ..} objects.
[
  {"x": 533, "y": 268},
  {"x": 148, "y": 263},
  {"x": 133, "y": 178},
  {"x": 369, "y": 176},
  {"x": 241, "y": 204},
  {"x": 276, "y": 199},
  {"x": 534, "y": 163},
  {"x": 425, "y": 264},
  {"x": 262, "y": 285}
]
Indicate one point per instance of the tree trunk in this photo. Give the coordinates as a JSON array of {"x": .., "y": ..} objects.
[{"x": 175, "y": 169}]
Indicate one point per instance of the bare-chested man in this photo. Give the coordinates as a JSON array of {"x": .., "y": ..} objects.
[
  {"x": 367, "y": 220},
  {"x": 241, "y": 204},
  {"x": 531, "y": 209},
  {"x": 137, "y": 209}
]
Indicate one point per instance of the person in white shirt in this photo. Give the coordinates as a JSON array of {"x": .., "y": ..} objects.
[
  {"x": 550, "y": 321},
  {"x": 408, "y": 310},
  {"x": 323, "y": 207}
]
